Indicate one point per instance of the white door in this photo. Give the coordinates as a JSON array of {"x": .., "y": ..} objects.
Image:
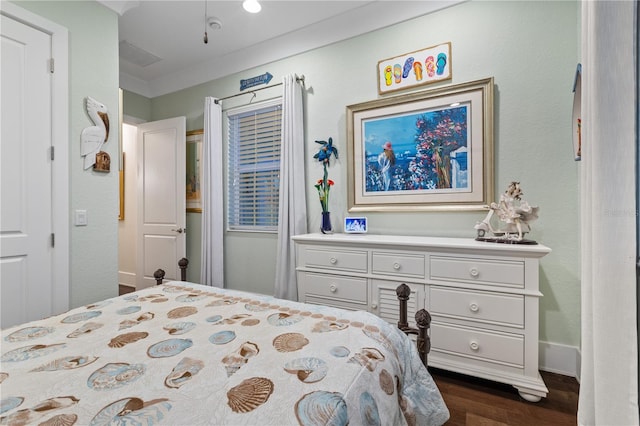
[
  {"x": 26, "y": 252},
  {"x": 161, "y": 158}
]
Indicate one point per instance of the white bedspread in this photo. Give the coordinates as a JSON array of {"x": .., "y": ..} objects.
[{"x": 186, "y": 354}]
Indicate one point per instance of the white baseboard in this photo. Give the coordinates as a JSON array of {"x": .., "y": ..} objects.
[
  {"x": 127, "y": 278},
  {"x": 560, "y": 359}
]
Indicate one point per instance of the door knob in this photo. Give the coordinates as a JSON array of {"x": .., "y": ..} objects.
[{"x": 180, "y": 230}]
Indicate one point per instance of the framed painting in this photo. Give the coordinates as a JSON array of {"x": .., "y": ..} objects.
[
  {"x": 194, "y": 171},
  {"x": 428, "y": 150},
  {"x": 417, "y": 68}
]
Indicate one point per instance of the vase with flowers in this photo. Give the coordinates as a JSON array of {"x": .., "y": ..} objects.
[{"x": 324, "y": 185}]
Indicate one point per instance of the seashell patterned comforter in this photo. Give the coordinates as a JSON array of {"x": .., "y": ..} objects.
[{"x": 187, "y": 354}]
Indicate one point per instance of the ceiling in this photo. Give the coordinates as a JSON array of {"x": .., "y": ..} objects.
[{"x": 171, "y": 33}]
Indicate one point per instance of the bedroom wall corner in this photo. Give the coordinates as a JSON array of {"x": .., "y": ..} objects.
[{"x": 135, "y": 105}]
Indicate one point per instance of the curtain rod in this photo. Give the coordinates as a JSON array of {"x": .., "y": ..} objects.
[{"x": 298, "y": 79}]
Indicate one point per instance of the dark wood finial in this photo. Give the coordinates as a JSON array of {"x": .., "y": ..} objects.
[
  {"x": 183, "y": 263},
  {"x": 159, "y": 276},
  {"x": 403, "y": 291},
  {"x": 423, "y": 320}
]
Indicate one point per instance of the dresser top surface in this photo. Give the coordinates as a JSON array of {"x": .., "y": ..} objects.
[{"x": 408, "y": 241}]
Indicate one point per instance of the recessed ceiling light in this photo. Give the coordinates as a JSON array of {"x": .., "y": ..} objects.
[{"x": 251, "y": 6}]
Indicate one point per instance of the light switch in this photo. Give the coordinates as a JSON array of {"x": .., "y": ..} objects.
[{"x": 81, "y": 218}]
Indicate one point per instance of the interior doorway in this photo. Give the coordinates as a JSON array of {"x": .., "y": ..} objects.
[
  {"x": 127, "y": 224},
  {"x": 152, "y": 231}
]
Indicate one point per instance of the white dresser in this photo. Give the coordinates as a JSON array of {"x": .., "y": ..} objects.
[{"x": 483, "y": 297}]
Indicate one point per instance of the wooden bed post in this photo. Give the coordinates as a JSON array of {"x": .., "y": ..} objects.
[
  {"x": 183, "y": 263},
  {"x": 159, "y": 276},
  {"x": 403, "y": 291},
  {"x": 423, "y": 321}
]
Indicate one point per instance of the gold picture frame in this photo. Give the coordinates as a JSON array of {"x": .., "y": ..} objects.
[
  {"x": 439, "y": 156},
  {"x": 194, "y": 171}
]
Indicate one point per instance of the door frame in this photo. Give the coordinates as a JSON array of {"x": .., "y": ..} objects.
[{"x": 60, "y": 142}]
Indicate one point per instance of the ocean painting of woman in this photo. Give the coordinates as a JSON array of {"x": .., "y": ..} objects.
[{"x": 424, "y": 152}]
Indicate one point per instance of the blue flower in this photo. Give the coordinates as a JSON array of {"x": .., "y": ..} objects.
[
  {"x": 326, "y": 151},
  {"x": 324, "y": 185}
]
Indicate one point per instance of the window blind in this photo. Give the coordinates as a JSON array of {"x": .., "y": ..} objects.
[{"x": 254, "y": 167}]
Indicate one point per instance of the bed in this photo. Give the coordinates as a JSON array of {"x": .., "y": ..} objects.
[{"x": 182, "y": 353}]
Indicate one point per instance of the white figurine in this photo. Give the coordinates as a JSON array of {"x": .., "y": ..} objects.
[
  {"x": 514, "y": 215},
  {"x": 93, "y": 137}
]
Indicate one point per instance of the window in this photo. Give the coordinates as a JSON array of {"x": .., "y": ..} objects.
[{"x": 254, "y": 166}]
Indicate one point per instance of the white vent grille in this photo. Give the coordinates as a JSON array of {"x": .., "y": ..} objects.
[
  {"x": 389, "y": 306},
  {"x": 137, "y": 55}
]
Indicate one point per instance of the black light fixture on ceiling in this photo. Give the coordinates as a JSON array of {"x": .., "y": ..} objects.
[{"x": 206, "y": 37}]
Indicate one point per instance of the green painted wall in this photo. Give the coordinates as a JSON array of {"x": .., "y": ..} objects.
[
  {"x": 93, "y": 71},
  {"x": 135, "y": 105},
  {"x": 530, "y": 48}
]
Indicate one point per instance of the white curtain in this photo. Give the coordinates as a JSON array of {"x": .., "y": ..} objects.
[
  {"x": 292, "y": 214},
  {"x": 212, "y": 189},
  {"x": 609, "y": 373}
]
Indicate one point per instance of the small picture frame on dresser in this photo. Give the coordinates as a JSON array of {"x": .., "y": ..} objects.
[{"x": 355, "y": 225}]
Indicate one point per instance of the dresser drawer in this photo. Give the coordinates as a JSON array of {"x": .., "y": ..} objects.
[
  {"x": 483, "y": 271},
  {"x": 327, "y": 258},
  {"x": 398, "y": 264},
  {"x": 335, "y": 287},
  {"x": 479, "y": 344},
  {"x": 467, "y": 304}
]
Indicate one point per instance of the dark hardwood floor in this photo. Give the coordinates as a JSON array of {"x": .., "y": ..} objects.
[
  {"x": 480, "y": 402},
  {"x": 125, "y": 289}
]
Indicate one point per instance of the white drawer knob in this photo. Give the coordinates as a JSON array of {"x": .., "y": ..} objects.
[
  {"x": 473, "y": 307},
  {"x": 374, "y": 305},
  {"x": 474, "y": 346},
  {"x": 396, "y": 266},
  {"x": 474, "y": 272},
  {"x": 333, "y": 288},
  {"x": 333, "y": 260}
]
